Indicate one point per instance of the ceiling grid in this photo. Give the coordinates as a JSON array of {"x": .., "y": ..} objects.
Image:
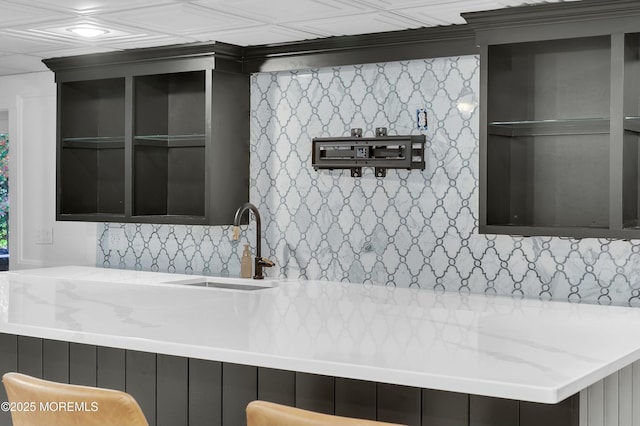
[{"x": 40, "y": 29}]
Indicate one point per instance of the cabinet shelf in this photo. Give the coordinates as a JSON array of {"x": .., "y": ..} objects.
[
  {"x": 547, "y": 141},
  {"x": 170, "y": 141},
  {"x": 542, "y": 230},
  {"x": 632, "y": 124},
  {"x": 97, "y": 142},
  {"x": 582, "y": 126}
]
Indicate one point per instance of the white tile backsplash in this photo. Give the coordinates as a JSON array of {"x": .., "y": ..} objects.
[{"x": 411, "y": 228}]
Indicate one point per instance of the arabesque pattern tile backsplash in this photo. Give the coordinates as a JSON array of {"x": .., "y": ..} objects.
[{"x": 411, "y": 228}]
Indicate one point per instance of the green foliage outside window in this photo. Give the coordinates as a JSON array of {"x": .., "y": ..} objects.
[{"x": 4, "y": 190}]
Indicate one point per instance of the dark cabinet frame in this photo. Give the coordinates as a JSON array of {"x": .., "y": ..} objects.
[
  {"x": 559, "y": 113},
  {"x": 157, "y": 135}
]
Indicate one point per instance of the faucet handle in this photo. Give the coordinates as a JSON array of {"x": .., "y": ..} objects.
[{"x": 266, "y": 262}]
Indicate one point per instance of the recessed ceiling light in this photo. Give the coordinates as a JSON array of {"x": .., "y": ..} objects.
[{"x": 88, "y": 32}]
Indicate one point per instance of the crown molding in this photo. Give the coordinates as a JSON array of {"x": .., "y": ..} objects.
[{"x": 452, "y": 40}]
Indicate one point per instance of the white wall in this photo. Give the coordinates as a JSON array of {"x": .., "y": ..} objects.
[
  {"x": 31, "y": 102},
  {"x": 4, "y": 121}
]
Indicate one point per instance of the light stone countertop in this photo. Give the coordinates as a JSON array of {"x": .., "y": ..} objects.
[{"x": 487, "y": 345}]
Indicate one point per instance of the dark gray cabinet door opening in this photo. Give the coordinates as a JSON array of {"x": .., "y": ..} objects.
[
  {"x": 559, "y": 120},
  {"x": 153, "y": 135},
  {"x": 91, "y": 151},
  {"x": 548, "y": 133}
]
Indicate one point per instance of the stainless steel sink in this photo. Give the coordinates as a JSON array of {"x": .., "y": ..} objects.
[{"x": 225, "y": 283}]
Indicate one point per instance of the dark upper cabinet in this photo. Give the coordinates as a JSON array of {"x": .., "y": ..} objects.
[
  {"x": 91, "y": 147},
  {"x": 156, "y": 135},
  {"x": 559, "y": 119}
]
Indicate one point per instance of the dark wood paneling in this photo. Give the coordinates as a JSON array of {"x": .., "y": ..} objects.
[
  {"x": 186, "y": 181},
  {"x": 277, "y": 386},
  {"x": 486, "y": 411},
  {"x": 180, "y": 391},
  {"x": 30, "y": 356},
  {"x": 172, "y": 390},
  {"x": 315, "y": 392},
  {"x": 355, "y": 398},
  {"x": 8, "y": 363},
  {"x": 399, "y": 404},
  {"x": 564, "y": 413},
  {"x": 444, "y": 408},
  {"x": 239, "y": 387},
  {"x": 111, "y": 368},
  {"x": 141, "y": 381},
  {"x": 110, "y": 181},
  {"x": 205, "y": 393},
  {"x": 229, "y": 160},
  {"x": 150, "y": 180},
  {"x": 55, "y": 361},
  {"x": 186, "y": 103},
  {"x": 83, "y": 362},
  {"x": 78, "y": 175}
]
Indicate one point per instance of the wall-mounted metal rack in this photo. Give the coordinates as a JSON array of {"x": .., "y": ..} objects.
[{"x": 381, "y": 152}]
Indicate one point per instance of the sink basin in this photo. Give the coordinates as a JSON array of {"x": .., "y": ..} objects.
[
  {"x": 229, "y": 284},
  {"x": 215, "y": 284}
]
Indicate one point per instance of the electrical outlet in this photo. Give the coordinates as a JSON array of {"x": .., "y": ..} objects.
[
  {"x": 421, "y": 118},
  {"x": 44, "y": 235},
  {"x": 117, "y": 239}
]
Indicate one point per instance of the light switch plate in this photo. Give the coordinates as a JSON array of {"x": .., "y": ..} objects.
[
  {"x": 421, "y": 118},
  {"x": 117, "y": 239},
  {"x": 44, "y": 235}
]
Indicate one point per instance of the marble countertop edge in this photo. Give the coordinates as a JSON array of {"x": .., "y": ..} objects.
[{"x": 494, "y": 346}]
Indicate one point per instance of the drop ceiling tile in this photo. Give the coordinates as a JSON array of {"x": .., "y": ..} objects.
[
  {"x": 357, "y": 24},
  {"x": 266, "y": 34},
  {"x": 178, "y": 19},
  {"x": 18, "y": 14},
  {"x": 282, "y": 11},
  {"x": 462, "y": 5},
  {"x": 396, "y": 4},
  {"x": 96, "y": 6},
  {"x": 59, "y": 30},
  {"x": 448, "y": 12},
  {"x": 37, "y": 28},
  {"x": 19, "y": 44}
]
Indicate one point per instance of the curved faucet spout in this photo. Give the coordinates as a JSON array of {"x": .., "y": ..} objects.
[
  {"x": 259, "y": 261},
  {"x": 256, "y": 214}
]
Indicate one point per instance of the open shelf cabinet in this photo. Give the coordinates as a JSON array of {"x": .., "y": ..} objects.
[
  {"x": 631, "y": 141},
  {"x": 559, "y": 152},
  {"x": 158, "y": 135},
  {"x": 548, "y": 133},
  {"x": 169, "y": 145},
  {"x": 91, "y": 154}
]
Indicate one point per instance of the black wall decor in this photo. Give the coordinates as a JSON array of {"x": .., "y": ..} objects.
[{"x": 382, "y": 152}]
